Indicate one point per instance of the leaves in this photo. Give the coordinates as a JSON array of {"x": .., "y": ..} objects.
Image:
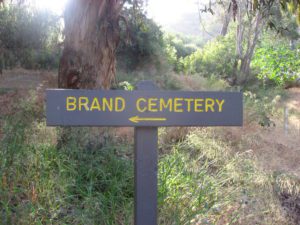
[{"x": 279, "y": 64}]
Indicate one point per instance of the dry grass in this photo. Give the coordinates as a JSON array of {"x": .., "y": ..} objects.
[{"x": 252, "y": 176}]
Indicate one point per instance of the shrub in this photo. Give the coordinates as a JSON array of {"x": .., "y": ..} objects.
[
  {"x": 29, "y": 37},
  {"x": 278, "y": 64},
  {"x": 141, "y": 41},
  {"x": 215, "y": 58}
]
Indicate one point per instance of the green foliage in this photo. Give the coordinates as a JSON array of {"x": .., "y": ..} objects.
[
  {"x": 178, "y": 47},
  {"x": 261, "y": 105},
  {"x": 184, "y": 45},
  {"x": 171, "y": 53},
  {"x": 40, "y": 184},
  {"x": 29, "y": 37},
  {"x": 277, "y": 63},
  {"x": 284, "y": 23},
  {"x": 292, "y": 6},
  {"x": 215, "y": 58},
  {"x": 126, "y": 86},
  {"x": 201, "y": 182},
  {"x": 141, "y": 40}
]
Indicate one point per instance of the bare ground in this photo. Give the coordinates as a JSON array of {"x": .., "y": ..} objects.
[{"x": 17, "y": 84}]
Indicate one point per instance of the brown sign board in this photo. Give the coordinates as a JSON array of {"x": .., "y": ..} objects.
[{"x": 149, "y": 108}]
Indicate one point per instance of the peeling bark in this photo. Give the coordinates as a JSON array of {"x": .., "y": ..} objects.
[
  {"x": 88, "y": 61},
  {"x": 92, "y": 35}
]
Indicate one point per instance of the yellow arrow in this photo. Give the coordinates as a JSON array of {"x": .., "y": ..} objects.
[{"x": 137, "y": 119}]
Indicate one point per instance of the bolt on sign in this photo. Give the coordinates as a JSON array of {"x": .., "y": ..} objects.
[{"x": 145, "y": 109}]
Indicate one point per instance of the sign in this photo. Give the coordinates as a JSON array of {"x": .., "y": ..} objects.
[{"x": 143, "y": 108}]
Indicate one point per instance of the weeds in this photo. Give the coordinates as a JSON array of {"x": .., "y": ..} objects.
[
  {"x": 41, "y": 184},
  {"x": 89, "y": 180},
  {"x": 202, "y": 182}
]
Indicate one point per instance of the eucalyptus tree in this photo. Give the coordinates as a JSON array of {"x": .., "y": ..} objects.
[
  {"x": 92, "y": 34},
  {"x": 251, "y": 17}
]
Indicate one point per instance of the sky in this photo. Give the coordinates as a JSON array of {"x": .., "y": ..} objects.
[
  {"x": 162, "y": 11},
  {"x": 174, "y": 15},
  {"x": 56, "y": 6},
  {"x": 167, "y": 12}
]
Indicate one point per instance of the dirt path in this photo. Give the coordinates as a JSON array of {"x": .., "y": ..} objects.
[
  {"x": 17, "y": 83},
  {"x": 21, "y": 79}
]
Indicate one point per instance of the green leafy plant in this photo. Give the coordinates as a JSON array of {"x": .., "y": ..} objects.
[
  {"x": 215, "y": 58},
  {"x": 126, "y": 86},
  {"x": 279, "y": 64},
  {"x": 29, "y": 37}
]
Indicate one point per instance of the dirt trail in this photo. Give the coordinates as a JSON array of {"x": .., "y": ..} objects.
[
  {"x": 17, "y": 83},
  {"x": 21, "y": 79}
]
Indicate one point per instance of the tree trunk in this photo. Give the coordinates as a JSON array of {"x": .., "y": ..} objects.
[
  {"x": 227, "y": 18},
  {"x": 88, "y": 60},
  {"x": 91, "y": 38},
  {"x": 1, "y": 58},
  {"x": 240, "y": 29},
  {"x": 252, "y": 42}
]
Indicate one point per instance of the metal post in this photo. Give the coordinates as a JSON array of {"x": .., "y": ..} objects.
[
  {"x": 145, "y": 170},
  {"x": 286, "y": 120}
]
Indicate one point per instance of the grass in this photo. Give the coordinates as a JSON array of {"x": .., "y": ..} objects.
[
  {"x": 89, "y": 179},
  {"x": 54, "y": 187},
  {"x": 202, "y": 182},
  {"x": 41, "y": 184}
]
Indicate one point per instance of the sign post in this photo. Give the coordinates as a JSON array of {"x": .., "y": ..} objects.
[
  {"x": 145, "y": 109},
  {"x": 145, "y": 170},
  {"x": 145, "y": 175}
]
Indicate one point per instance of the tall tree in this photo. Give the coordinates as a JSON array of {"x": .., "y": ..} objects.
[
  {"x": 92, "y": 34},
  {"x": 251, "y": 17}
]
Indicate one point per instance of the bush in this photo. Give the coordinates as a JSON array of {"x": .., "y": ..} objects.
[
  {"x": 215, "y": 58},
  {"x": 261, "y": 105},
  {"x": 184, "y": 45},
  {"x": 29, "y": 38},
  {"x": 278, "y": 64},
  {"x": 141, "y": 41},
  {"x": 178, "y": 47}
]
